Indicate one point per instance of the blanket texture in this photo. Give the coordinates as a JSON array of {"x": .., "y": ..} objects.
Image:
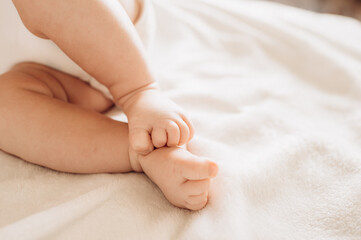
[{"x": 275, "y": 96}]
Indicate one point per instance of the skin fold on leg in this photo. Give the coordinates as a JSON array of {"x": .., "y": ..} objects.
[
  {"x": 112, "y": 52},
  {"x": 49, "y": 118},
  {"x": 53, "y": 119}
]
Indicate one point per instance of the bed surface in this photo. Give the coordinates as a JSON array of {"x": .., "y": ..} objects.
[
  {"x": 351, "y": 8},
  {"x": 275, "y": 96}
]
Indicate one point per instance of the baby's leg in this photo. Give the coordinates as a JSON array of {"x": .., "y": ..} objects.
[{"x": 51, "y": 119}]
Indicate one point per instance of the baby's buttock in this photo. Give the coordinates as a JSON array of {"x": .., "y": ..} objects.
[{"x": 17, "y": 44}]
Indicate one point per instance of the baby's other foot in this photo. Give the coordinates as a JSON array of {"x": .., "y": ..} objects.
[
  {"x": 155, "y": 121},
  {"x": 183, "y": 177}
]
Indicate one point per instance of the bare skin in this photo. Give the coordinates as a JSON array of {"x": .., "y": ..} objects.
[
  {"x": 64, "y": 128},
  {"x": 113, "y": 39}
]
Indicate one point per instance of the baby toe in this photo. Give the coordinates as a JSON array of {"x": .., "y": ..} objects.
[
  {"x": 140, "y": 141},
  {"x": 189, "y": 125},
  {"x": 173, "y": 134},
  {"x": 159, "y": 137},
  {"x": 184, "y": 132}
]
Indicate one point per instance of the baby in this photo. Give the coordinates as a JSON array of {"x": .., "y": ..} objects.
[{"x": 52, "y": 118}]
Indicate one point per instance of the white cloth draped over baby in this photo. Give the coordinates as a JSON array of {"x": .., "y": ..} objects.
[{"x": 275, "y": 96}]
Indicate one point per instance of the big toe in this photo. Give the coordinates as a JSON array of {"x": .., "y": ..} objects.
[
  {"x": 198, "y": 168},
  {"x": 141, "y": 142},
  {"x": 142, "y": 148}
]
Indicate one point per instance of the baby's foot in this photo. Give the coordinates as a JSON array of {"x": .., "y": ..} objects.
[
  {"x": 155, "y": 121},
  {"x": 183, "y": 177}
]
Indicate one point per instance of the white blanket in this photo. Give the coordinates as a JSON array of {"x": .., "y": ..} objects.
[{"x": 275, "y": 97}]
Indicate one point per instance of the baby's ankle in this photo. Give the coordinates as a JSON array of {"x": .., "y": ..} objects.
[{"x": 131, "y": 97}]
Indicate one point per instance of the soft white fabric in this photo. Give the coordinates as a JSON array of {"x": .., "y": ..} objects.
[{"x": 274, "y": 93}]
